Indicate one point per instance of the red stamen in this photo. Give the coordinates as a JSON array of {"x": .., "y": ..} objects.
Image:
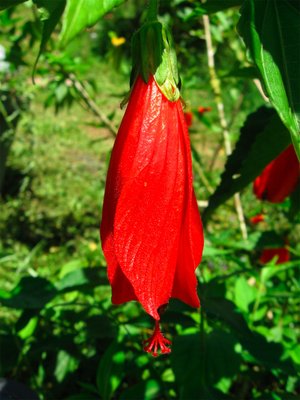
[{"x": 157, "y": 342}]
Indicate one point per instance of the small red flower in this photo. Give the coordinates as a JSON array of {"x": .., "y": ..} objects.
[
  {"x": 202, "y": 110},
  {"x": 281, "y": 253},
  {"x": 256, "y": 219},
  {"x": 151, "y": 229},
  {"x": 188, "y": 115},
  {"x": 279, "y": 179}
]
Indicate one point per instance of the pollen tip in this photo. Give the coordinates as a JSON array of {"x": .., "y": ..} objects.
[{"x": 157, "y": 344}]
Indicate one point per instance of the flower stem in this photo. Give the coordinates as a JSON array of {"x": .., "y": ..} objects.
[{"x": 152, "y": 10}]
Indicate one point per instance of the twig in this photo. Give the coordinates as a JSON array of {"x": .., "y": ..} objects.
[
  {"x": 216, "y": 87},
  {"x": 92, "y": 105},
  {"x": 197, "y": 167},
  {"x": 234, "y": 113}
]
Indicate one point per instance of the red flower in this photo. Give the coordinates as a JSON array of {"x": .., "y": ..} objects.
[
  {"x": 256, "y": 219},
  {"x": 202, "y": 110},
  {"x": 281, "y": 253},
  {"x": 188, "y": 115},
  {"x": 151, "y": 229},
  {"x": 279, "y": 179}
]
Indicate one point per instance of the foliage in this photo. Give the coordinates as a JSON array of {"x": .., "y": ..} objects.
[
  {"x": 59, "y": 333},
  {"x": 274, "y": 50}
]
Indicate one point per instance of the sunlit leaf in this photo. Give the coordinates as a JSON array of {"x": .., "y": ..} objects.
[
  {"x": 80, "y": 14},
  {"x": 83, "y": 277},
  {"x": 244, "y": 294},
  {"x": 271, "y": 32},
  {"x": 65, "y": 363}
]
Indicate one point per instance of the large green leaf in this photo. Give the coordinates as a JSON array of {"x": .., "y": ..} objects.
[
  {"x": 51, "y": 12},
  {"x": 80, "y": 14},
  {"x": 9, "y": 3},
  {"x": 271, "y": 32},
  {"x": 262, "y": 138}
]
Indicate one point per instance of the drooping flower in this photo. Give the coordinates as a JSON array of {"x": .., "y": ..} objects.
[
  {"x": 203, "y": 110},
  {"x": 280, "y": 177},
  {"x": 281, "y": 253},
  {"x": 256, "y": 219},
  {"x": 151, "y": 229}
]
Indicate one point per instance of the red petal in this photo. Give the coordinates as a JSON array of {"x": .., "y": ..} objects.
[{"x": 191, "y": 239}]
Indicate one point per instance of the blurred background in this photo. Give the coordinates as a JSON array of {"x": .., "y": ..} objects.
[{"x": 59, "y": 333}]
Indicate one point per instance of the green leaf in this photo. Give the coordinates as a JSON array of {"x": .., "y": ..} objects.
[
  {"x": 80, "y": 14},
  {"x": 10, "y": 3},
  {"x": 212, "y": 356},
  {"x": 29, "y": 329},
  {"x": 271, "y": 32},
  {"x": 268, "y": 272},
  {"x": 65, "y": 364},
  {"x": 110, "y": 370},
  {"x": 30, "y": 293},
  {"x": 84, "y": 277},
  {"x": 244, "y": 294},
  {"x": 251, "y": 154},
  {"x": 268, "y": 354},
  {"x": 51, "y": 12}
]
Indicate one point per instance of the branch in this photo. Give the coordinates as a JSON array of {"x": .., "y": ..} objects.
[{"x": 216, "y": 87}]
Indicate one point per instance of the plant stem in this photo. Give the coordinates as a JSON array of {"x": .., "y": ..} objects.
[
  {"x": 92, "y": 105},
  {"x": 152, "y": 10},
  {"x": 203, "y": 348},
  {"x": 216, "y": 87}
]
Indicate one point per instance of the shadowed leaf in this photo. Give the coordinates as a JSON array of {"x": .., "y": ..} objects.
[{"x": 251, "y": 155}]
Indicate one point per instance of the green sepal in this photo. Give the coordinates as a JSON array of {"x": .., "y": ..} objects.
[{"x": 154, "y": 54}]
